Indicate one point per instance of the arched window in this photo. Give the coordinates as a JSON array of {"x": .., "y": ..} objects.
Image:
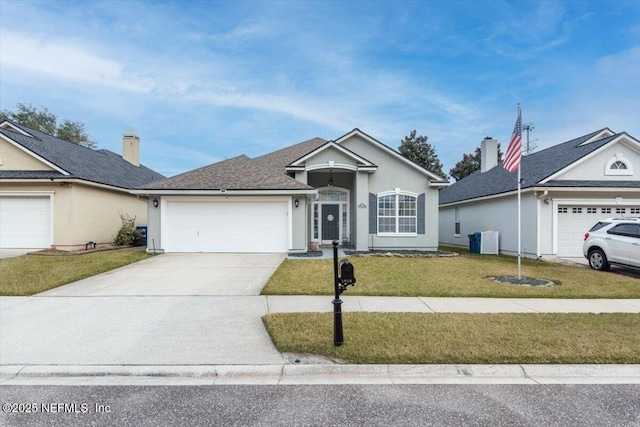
[
  {"x": 618, "y": 165},
  {"x": 397, "y": 213}
]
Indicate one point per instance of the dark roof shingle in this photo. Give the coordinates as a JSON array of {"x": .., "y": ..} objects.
[
  {"x": 534, "y": 168},
  {"x": 99, "y": 166}
]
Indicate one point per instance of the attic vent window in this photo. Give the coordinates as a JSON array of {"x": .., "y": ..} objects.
[{"x": 618, "y": 165}]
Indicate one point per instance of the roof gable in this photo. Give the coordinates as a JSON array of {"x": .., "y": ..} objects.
[
  {"x": 537, "y": 169},
  {"x": 433, "y": 178},
  {"x": 359, "y": 161}
]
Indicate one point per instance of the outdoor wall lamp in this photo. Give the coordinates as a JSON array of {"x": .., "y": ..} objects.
[
  {"x": 155, "y": 203},
  {"x": 296, "y": 202}
]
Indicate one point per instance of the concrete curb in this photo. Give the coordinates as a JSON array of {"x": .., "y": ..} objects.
[{"x": 319, "y": 374}]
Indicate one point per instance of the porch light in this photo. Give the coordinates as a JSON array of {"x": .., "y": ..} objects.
[
  {"x": 155, "y": 203},
  {"x": 296, "y": 202},
  {"x": 330, "y": 183}
]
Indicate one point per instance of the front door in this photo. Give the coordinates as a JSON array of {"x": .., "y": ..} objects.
[{"x": 330, "y": 222}]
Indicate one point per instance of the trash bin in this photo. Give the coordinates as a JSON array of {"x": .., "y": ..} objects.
[
  {"x": 474, "y": 242},
  {"x": 143, "y": 230}
]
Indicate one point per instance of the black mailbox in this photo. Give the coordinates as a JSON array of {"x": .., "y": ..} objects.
[{"x": 347, "y": 276}]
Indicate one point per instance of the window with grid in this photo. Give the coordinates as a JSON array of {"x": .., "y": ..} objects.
[
  {"x": 606, "y": 210},
  {"x": 576, "y": 210},
  {"x": 592, "y": 210},
  {"x": 397, "y": 214},
  {"x": 634, "y": 210},
  {"x": 620, "y": 210},
  {"x": 562, "y": 210}
]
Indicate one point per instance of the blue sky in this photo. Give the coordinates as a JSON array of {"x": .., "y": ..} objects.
[{"x": 202, "y": 81}]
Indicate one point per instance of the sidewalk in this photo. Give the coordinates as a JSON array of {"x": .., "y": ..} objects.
[{"x": 183, "y": 352}]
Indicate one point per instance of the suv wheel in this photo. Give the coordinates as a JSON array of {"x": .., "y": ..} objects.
[{"x": 598, "y": 260}]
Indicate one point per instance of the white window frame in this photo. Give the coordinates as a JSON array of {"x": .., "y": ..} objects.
[
  {"x": 619, "y": 157},
  {"x": 397, "y": 193}
]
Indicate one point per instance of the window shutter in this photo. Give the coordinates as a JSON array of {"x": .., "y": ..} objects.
[
  {"x": 373, "y": 214},
  {"x": 421, "y": 220}
]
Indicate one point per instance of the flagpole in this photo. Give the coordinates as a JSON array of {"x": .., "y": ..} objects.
[{"x": 519, "y": 227}]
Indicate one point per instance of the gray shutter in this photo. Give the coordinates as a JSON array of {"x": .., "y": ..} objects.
[
  {"x": 421, "y": 225},
  {"x": 373, "y": 214}
]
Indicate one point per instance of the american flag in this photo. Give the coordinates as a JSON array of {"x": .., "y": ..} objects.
[{"x": 514, "y": 151}]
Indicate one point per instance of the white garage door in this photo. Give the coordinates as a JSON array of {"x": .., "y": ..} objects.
[
  {"x": 25, "y": 222},
  {"x": 575, "y": 220},
  {"x": 229, "y": 226}
]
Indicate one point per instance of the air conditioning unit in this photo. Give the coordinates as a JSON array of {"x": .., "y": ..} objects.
[{"x": 489, "y": 243}]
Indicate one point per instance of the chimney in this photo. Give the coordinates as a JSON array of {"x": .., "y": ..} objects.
[
  {"x": 131, "y": 147},
  {"x": 488, "y": 154}
]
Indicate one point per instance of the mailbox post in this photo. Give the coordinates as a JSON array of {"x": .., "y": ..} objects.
[{"x": 341, "y": 282}]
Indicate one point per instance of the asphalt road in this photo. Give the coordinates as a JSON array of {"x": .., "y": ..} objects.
[{"x": 352, "y": 405}]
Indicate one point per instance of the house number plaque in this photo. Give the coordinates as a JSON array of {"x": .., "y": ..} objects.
[{"x": 329, "y": 218}]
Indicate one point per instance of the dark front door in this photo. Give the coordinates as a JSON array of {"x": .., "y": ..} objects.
[{"x": 330, "y": 222}]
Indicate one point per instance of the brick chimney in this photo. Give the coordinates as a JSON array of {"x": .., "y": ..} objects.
[
  {"x": 488, "y": 154},
  {"x": 131, "y": 147}
]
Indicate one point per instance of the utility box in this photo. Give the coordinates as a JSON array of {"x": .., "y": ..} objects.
[{"x": 489, "y": 243}]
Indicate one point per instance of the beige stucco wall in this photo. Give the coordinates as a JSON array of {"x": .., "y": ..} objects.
[
  {"x": 13, "y": 158},
  {"x": 83, "y": 213}
]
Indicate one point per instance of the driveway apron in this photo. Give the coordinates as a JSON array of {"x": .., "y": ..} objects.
[{"x": 172, "y": 309}]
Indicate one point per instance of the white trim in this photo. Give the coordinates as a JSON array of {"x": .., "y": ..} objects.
[
  {"x": 332, "y": 144},
  {"x": 394, "y": 153},
  {"x": 34, "y": 155},
  {"x": 604, "y": 133},
  {"x": 320, "y": 203},
  {"x": 328, "y": 165},
  {"x": 179, "y": 193},
  {"x": 396, "y": 192},
  {"x": 15, "y": 128}
]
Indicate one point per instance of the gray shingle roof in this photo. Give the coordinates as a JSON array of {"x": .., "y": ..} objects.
[
  {"x": 99, "y": 166},
  {"x": 266, "y": 172},
  {"x": 534, "y": 169}
]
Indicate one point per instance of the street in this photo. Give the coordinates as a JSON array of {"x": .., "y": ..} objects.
[{"x": 309, "y": 405}]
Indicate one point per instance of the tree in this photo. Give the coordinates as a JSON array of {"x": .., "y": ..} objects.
[
  {"x": 416, "y": 149},
  {"x": 44, "y": 121},
  {"x": 469, "y": 164}
]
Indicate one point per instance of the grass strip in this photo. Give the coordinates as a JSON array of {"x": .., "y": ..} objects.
[
  {"x": 463, "y": 276},
  {"x": 421, "y": 338},
  {"x": 30, "y": 274}
]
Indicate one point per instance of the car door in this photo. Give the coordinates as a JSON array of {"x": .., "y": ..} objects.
[{"x": 624, "y": 244}]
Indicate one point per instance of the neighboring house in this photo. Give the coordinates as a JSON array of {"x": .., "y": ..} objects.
[
  {"x": 354, "y": 189},
  {"x": 566, "y": 189},
  {"x": 55, "y": 193}
]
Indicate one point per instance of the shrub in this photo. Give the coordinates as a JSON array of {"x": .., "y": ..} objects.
[{"x": 128, "y": 235}]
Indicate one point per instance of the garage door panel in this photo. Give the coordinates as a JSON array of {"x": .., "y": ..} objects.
[
  {"x": 575, "y": 220},
  {"x": 25, "y": 222},
  {"x": 227, "y": 227}
]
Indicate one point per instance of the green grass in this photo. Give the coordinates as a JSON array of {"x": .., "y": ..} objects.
[
  {"x": 31, "y": 274},
  {"x": 419, "y": 338},
  {"x": 462, "y": 276}
]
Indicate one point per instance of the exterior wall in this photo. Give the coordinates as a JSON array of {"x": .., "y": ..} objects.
[
  {"x": 13, "y": 158},
  {"x": 500, "y": 214},
  {"x": 299, "y": 225},
  {"x": 83, "y": 213},
  {"x": 393, "y": 173},
  {"x": 593, "y": 168}
]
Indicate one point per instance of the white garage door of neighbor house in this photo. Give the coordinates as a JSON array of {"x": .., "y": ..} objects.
[
  {"x": 575, "y": 220},
  {"x": 226, "y": 226},
  {"x": 25, "y": 222}
]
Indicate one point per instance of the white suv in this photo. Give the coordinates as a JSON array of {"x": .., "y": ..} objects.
[{"x": 613, "y": 241}]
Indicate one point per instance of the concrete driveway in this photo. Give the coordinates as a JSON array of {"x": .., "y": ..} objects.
[
  {"x": 173, "y": 309},
  {"x": 180, "y": 275}
]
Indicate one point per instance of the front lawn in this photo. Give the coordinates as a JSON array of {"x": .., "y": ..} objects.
[
  {"x": 461, "y": 276},
  {"x": 420, "y": 338},
  {"x": 31, "y": 274}
]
